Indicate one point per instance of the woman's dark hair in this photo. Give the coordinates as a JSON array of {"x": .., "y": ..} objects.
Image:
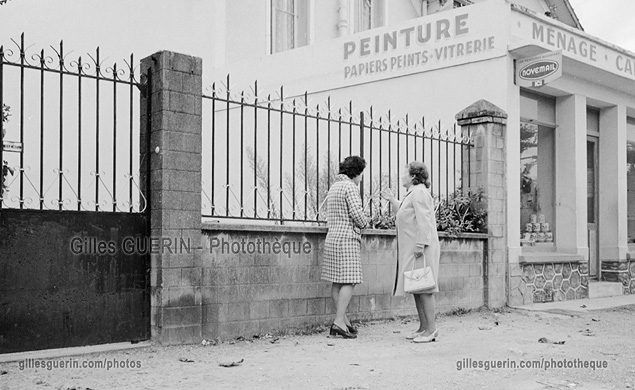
[
  {"x": 352, "y": 166},
  {"x": 419, "y": 173}
]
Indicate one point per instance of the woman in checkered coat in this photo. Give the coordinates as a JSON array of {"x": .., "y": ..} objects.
[{"x": 346, "y": 219}]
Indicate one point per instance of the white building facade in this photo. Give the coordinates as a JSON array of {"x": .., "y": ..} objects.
[{"x": 569, "y": 144}]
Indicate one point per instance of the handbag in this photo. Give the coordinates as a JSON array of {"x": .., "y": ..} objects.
[{"x": 419, "y": 280}]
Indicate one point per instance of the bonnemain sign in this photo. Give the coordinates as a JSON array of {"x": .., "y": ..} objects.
[{"x": 538, "y": 70}]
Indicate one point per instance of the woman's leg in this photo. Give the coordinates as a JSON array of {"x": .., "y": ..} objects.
[
  {"x": 423, "y": 324},
  {"x": 335, "y": 294},
  {"x": 345, "y": 293},
  {"x": 429, "y": 309}
]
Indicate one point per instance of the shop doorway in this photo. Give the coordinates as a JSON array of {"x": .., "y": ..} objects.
[{"x": 592, "y": 160}]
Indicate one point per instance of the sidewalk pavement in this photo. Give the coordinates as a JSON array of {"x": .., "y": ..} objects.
[
  {"x": 580, "y": 306},
  {"x": 571, "y": 308}
]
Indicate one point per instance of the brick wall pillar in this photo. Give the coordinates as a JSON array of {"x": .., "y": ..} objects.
[
  {"x": 174, "y": 127},
  {"x": 487, "y": 124}
]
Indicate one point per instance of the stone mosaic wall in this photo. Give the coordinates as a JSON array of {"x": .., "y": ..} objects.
[
  {"x": 556, "y": 281},
  {"x": 622, "y": 272}
]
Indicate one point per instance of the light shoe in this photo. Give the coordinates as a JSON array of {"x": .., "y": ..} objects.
[
  {"x": 427, "y": 339},
  {"x": 414, "y": 335}
]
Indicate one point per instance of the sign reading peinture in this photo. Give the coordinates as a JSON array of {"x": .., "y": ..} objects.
[
  {"x": 538, "y": 70},
  {"x": 426, "y": 43}
]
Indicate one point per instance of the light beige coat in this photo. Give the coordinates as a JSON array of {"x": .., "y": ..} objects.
[{"x": 416, "y": 231}]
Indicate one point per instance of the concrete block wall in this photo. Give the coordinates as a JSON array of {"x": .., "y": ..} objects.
[
  {"x": 246, "y": 293},
  {"x": 461, "y": 279}
]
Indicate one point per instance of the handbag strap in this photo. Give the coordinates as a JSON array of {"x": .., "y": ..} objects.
[{"x": 415, "y": 260}]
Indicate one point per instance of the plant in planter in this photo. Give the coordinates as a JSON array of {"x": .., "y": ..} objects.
[
  {"x": 382, "y": 220},
  {"x": 462, "y": 212}
]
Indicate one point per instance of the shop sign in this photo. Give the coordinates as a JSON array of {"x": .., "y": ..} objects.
[
  {"x": 12, "y": 146},
  {"x": 431, "y": 42},
  {"x": 538, "y": 70},
  {"x": 574, "y": 44}
]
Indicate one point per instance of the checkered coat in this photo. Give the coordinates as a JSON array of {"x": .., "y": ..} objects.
[{"x": 345, "y": 217}]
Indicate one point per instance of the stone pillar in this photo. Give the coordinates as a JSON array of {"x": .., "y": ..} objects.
[
  {"x": 613, "y": 191},
  {"x": 487, "y": 123},
  {"x": 174, "y": 127}
]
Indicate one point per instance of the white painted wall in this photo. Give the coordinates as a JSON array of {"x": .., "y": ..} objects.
[
  {"x": 246, "y": 29},
  {"x": 438, "y": 89}
]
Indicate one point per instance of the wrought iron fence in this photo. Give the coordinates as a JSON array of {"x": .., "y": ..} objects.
[
  {"x": 274, "y": 158},
  {"x": 71, "y": 141}
]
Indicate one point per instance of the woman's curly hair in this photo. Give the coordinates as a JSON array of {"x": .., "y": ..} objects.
[
  {"x": 419, "y": 173},
  {"x": 352, "y": 166}
]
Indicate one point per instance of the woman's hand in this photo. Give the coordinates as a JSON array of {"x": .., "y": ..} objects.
[
  {"x": 388, "y": 194},
  {"x": 418, "y": 254}
]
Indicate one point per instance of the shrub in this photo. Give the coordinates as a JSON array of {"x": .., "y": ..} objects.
[
  {"x": 382, "y": 220},
  {"x": 461, "y": 212}
]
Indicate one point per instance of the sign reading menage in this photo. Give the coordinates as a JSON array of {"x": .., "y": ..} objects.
[{"x": 573, "y": 44}]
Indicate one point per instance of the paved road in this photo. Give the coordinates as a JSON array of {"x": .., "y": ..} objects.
[{"x": 380, "y": 358}]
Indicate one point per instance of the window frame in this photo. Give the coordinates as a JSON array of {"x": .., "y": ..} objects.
[
  {"x": 378, "y": 14},
  {"x": 301, "y": 34}
]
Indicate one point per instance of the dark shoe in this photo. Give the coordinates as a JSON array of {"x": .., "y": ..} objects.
[
  {"x": 335, "y": 330},
  {"x": 351, "y": 329}
]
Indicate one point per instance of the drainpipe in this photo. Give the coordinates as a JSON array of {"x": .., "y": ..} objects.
[{"x": 342, "y": 23}]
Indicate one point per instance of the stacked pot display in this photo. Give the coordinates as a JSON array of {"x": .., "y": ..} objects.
[{"x": 538, "y": 229}]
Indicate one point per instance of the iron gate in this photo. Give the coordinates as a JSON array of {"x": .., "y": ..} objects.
[{"x": 74, "y": 254}]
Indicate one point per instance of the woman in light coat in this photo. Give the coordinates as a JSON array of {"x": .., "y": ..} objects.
[
  {"x": 342, "y": 263},
  {"x": 417, "y": 239}
]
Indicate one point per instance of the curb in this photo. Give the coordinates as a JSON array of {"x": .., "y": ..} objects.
[{"x": 72, "y": 351}]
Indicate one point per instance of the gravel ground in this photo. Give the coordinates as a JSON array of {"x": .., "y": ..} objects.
[{"x": 381, "y": 358}]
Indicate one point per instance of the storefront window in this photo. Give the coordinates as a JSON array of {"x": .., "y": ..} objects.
[
  {"x": 537, "y": 168},
  {"x": 630, "y": 176},
  {"x": 537, "y": 146}
]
